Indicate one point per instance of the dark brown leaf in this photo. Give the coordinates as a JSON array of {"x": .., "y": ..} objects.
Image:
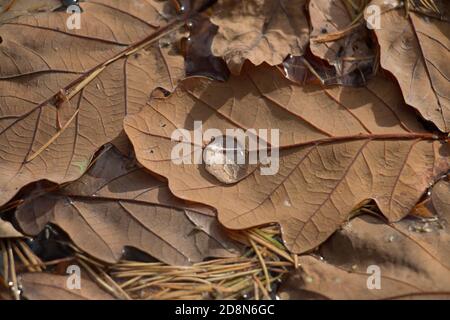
[{"x": 117, "y": 204}]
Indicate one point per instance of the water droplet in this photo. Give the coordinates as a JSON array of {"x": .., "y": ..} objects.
[
  {"x": 182, "y": 9},
  {"x": 164, "y": 43},
  {"x": 190, "y": 24},
  {"x": 287, "y": 203},
  {"x": 309, "y": 279},
  {"x": 69, "y": 3},
  {"x": 391, "y": 238},
  {"x": 225, "y": 158}
]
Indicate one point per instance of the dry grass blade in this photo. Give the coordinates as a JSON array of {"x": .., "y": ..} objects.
[
  {"x": 251, "y": 275},
  {"x": 12, "y": 250}
]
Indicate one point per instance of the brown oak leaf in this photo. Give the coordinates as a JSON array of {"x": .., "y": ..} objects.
[
  {"x": 416, "y": 50},
  {"x": 350, "y": 53},
  {"x": 338, "y": 147},
  {"x": 58, "y": 105},
  {"x": 259, "y": 30},
  {"x": 411, "y": 263}
]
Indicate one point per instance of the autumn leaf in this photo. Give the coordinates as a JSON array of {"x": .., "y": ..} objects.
[
  {"x": 415, "y": 49},
  {"x": 199, "y": 60},
  {"x": 259, "y": 30},
  {"x": 345, "y": 44},
  {"x": 10, "y": 9},
  {"x": 412, "y": 263},
  {"x": 8, "y": 231},
  {"x": 47, "y": 286},
  {"x": 64, "y": 93},
  {"x": 338, "y": 147},
  {"x": 441, "y": 198},
  {"x": 117, "y": 204}
]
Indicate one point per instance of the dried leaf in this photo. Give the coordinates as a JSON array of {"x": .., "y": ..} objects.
[
  {"x": 45, "y": 133},
  {"x": 46, "y": 286},
  {"x": 338, "y": 147},
  {"x": 117, "y": 204},
  {"x": 259, "y": 30},
  {"x": 440, "y": 198},
  {"x": 350, "y": 54},
  {"x": 10, "y": 9},
  {"x": 416, "y": 50},
  {"x": 199, "y": 60},
  {"x": 412, "y": 264},
  {"x": 8, "y": 231}
]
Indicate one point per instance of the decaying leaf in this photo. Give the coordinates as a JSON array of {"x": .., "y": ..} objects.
[
  {"x": 10, "y": 9},
  {"x": 411, "y": 264},
  {"x": 440, "y": 198},
  {"x": 350, "y": 52},
  {"x": 436, "y": 203},
  {"x": 416, "y": 50},
  {"x": 47, "y": 286},
  {"x": 57, "y": 107},
  {"x": 117, "y": 204},
  {"x": 8, "y": 231},
  {"x": 338, "y": 147},
  {"x": 199, "y": 60},
  {"x": 259, "y": 30}
]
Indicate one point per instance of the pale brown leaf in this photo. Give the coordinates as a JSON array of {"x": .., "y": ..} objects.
[
  {"x": 413, "y": 264},
  {"x": 259, "y": 30},
  {"x": 10, "y": 9},
  {"x": 416, "y": 50},
  {"x": 350, "y": 53},
  {"x": 42, "y": 134},
  {"x": 8, "y": 231},
  {"x": 440, "y": 198},
  {"x": 47, "y": 286}
]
